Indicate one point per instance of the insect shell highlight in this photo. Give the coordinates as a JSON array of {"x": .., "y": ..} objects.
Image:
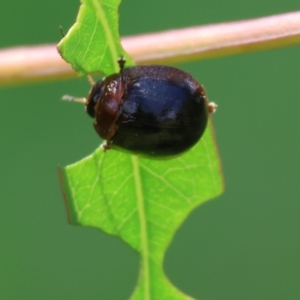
[{"x": 155, "y": 111}]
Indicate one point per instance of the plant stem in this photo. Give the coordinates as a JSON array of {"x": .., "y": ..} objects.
[{"x": 40, "y": 63}]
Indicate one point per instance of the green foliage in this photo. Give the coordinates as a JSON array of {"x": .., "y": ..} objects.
[
  {"x": 93, "y": 42},
  {"x": 143, "y": 201}
]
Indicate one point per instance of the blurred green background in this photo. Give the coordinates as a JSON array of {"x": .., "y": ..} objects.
[{"x": 242, "y": 245}]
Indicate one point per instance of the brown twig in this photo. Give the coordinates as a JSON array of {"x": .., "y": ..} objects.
[{"x": 31, "y": 64}]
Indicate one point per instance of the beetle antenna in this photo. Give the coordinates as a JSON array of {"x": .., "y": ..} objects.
[
  {"x": 121, "y": 61},
  {"x": 62, "y": 31},
  {"x": 74, "y": 99},
  {"x": 91, "y": 80}
]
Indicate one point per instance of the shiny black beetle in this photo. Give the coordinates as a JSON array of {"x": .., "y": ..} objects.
[{"x": 152, "y": 110}]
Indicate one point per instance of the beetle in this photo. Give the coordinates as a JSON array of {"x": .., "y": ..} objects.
[{"x": 152, "y": 110}]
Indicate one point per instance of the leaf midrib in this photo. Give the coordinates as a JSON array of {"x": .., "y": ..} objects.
[
  {"x": 109, "y": 38},
  {"x": 143, "y": 225}
]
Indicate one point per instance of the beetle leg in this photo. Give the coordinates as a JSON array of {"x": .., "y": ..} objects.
[
  {"x": 212, "y": 107},
  {"x": 121, "y": 62},
  {"x": 105, "y": 146}
]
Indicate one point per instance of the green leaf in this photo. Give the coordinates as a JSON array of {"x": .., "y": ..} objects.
[
  {"x": 143, "y": 201},
  {"x": 93, "y": 42}
]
